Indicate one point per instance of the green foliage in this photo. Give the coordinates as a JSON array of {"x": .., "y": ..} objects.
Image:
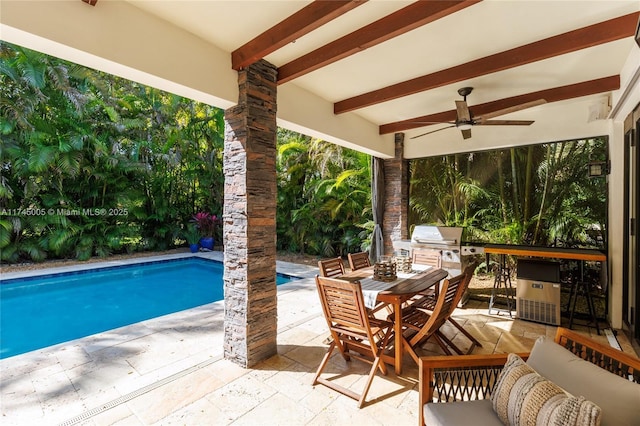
[
  {"x": 192, "y": 234},
  {"x": 324, "y": 196},
  {"x": 94, "y": 165},
  {"x": 538, "y": 195}
]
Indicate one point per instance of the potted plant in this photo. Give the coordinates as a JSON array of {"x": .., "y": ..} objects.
[
  {"x": 192, "y": 235},
  {"x": 206, "y": 224}
]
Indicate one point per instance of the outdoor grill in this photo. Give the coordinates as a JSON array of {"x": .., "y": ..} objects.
[{"x": 447, "y": 240}]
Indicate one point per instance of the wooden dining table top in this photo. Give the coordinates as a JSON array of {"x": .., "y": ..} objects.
[{"x": 403, "y": 285}]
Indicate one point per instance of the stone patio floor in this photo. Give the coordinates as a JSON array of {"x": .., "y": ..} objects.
[{"x": 170, "y": 370}]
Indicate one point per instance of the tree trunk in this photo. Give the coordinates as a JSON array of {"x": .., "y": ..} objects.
[
  {"x": 501, "y": 183},
  {"x": 515, "y": 193},
  {"x": 528, "y": 185},
  {"x": 544, "y": 194}
]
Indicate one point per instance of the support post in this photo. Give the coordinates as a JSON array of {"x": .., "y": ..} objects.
[
  {"x": 396, "y": 203},
  {"x": 250, "y": 297}
]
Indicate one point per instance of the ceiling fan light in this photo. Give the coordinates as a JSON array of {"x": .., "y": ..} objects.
[{"x": 464, "y": 126}]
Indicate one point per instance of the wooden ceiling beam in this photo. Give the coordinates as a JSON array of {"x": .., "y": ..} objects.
[
  {"x": 556, "y": 94},
  {"x": 593, "y": 35},
  {"x": 307, "y": 19},
  {"x": 402, "y": 21}
]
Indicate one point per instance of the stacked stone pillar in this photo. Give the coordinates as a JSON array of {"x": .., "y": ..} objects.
[
  {"x": 250, "y": 319},
  {"x": 396, "y": 192}
]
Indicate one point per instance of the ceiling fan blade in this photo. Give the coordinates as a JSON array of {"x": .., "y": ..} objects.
[
  {"x": 514, "y": 108},
  {"x": 466, "y": 134},
  {"x": 463, "y": 111},
  {"x": 505, "y": 123},
  {"x": 433, "y": 131},
  {"x": 433, "y": 122}
]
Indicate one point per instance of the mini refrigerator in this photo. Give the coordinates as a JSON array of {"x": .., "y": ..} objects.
[{"x": 538, "y": 291}]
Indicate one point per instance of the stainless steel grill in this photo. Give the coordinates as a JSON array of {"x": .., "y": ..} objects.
[{"x": 447, "y": 240}]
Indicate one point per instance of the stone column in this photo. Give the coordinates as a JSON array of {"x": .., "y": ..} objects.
[
  {"x": 396, "y": 191},
  {"x": 250, "y": 318}
]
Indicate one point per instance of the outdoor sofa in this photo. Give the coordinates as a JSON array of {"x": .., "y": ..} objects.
[{"x": 457, "y": 390}]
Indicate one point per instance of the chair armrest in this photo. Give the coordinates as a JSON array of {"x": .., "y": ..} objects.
[
  {"x": 458, "y": 378},
  {"x": 612, "y": 360}
]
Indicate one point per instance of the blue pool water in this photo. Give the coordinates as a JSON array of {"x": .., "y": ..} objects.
[{"x": 41, "y": 311}]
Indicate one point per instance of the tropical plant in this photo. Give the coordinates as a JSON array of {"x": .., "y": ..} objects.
[
  {"x": 88, "y": 147},
  {"x": 192, "y": 234},
  {"x": 206, "y": 223}
]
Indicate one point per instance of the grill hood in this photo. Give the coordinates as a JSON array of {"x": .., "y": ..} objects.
[{"x": 437, "y": 236}]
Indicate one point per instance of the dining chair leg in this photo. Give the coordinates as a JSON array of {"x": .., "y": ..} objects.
[
  {"x": 410, "y": 350},
  {"x": 469, "y": 336},
  {"x": 449, "y": 343},
  {"x": 372, "y": 373},
  {"x": 324, "y": 362}
]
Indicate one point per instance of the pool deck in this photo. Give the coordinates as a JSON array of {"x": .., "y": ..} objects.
[{"x": 170, "y": 370}]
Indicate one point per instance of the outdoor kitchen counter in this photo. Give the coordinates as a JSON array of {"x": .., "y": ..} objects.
[{"x": 548, "y": 252}]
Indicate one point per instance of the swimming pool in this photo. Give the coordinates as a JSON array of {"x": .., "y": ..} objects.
[{"x": 37, "y": 312}]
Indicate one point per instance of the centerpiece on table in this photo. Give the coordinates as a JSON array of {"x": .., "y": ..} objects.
[
  {"x": 206, "y": 224},
  {"x": 385, "y": 269}
]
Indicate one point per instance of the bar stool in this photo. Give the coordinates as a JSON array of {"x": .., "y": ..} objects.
[
  {"x": 501, "y": 282},
  {"x": 582, "y": 288}
]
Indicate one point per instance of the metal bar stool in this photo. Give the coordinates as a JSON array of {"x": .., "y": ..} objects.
[
  {"x": 501, "y": 282},
  {"x": 582, "y": 288}
]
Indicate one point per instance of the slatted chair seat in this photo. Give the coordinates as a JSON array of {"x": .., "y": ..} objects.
[
  {"x": 358, "y": 260},
  {"x": 353, "y": 332}
]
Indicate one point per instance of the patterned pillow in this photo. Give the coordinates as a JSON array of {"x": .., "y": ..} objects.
[{"x": 523, "y": 397}]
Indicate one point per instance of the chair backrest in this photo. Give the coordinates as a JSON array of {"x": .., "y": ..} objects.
[
  {"x": 448, "y": 298},
  {"x": 343, "y": 307},
  {"x": 468, "y": 274},
  {"x": 427, "y": 257},
  {"x": 331, "y": 267},
  {"x": 359, "y": 260}
]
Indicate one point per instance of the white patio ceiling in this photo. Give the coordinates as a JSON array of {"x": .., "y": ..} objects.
[{"x": 186, "y": 47}]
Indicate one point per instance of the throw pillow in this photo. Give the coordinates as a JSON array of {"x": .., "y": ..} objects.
[
  {"x": 523, "y": 397},
  {"x": 580, "y": 377}
]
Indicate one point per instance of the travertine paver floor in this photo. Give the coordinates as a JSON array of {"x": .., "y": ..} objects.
[{"x": 170, "y": 371}]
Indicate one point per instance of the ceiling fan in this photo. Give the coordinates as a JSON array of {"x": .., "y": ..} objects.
[{"x": 465, "y": 120}]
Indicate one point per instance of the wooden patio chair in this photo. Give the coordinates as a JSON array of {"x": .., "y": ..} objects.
[
  {"x": 428, "y": 304},
  {"x": 431, "y": 258},
  {"x": 331, "y": 267},
  {"x": 423, "y": 325},
  {"x": 359, "y": 260},
  {"x": 427, "y": 257},
  {"x": 354, "y": 332}
]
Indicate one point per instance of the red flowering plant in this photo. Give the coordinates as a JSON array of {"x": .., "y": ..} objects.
[{"x": 206, "y": 223}]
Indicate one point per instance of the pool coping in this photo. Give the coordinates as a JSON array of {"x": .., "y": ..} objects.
[{"x": 285, "y": 268}]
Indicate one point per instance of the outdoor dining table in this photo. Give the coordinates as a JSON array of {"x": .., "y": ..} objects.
[{"x": 395, "y": 293}]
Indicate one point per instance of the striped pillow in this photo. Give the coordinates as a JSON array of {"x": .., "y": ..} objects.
[{"x": 523, "y": 397}]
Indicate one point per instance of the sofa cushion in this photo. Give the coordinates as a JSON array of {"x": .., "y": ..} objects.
[
  {"x": 462, "y": 413},
  {"x": 521, "y": 396},
  {"x": 580, "y": 377}
]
